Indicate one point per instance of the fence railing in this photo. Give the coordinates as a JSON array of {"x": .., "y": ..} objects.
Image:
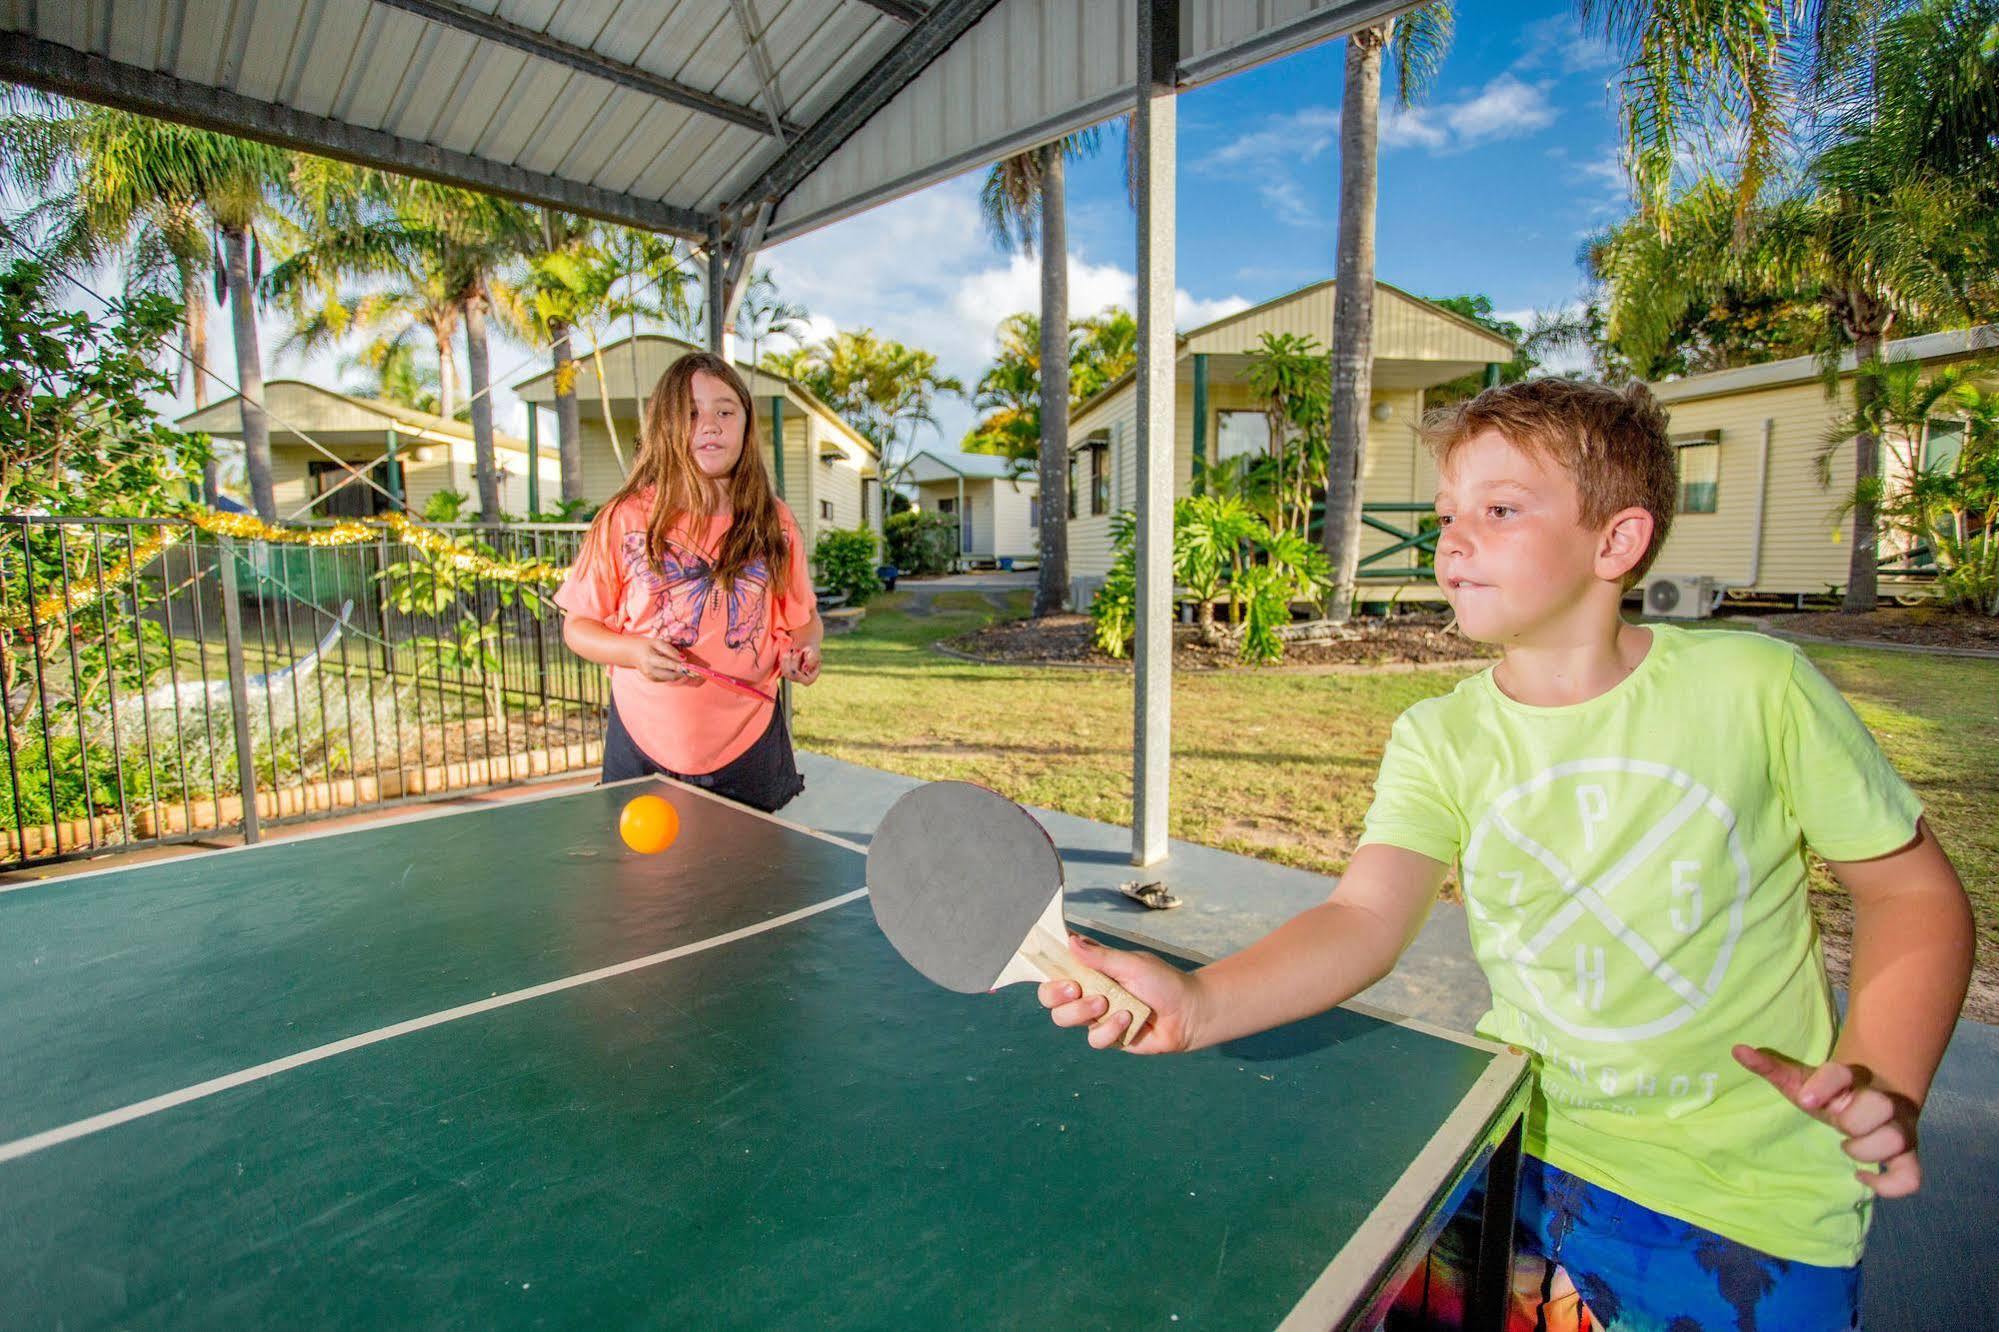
[{"x": 149, "y": 665}]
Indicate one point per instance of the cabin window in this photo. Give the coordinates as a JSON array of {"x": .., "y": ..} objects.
[
  {"x": 356, "y": 499},
  {"x": 1241, "y": 435},
  {"x": 1699, "y": 460},
  {"x": 1943, "y": 445},
  {"x": 826, "y": 510}
]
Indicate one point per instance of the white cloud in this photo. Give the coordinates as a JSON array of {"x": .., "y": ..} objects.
[
  {"x": 1558, "y": 42},
  {"x": 923, "y": 271},
  {"x": 1410, "y": 127},
  {"x": 1505, "y": 108},
  {"x": 1297, "y": 136}
]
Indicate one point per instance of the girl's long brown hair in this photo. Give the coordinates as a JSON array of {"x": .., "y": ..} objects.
[{"x": 666, "y": 463}]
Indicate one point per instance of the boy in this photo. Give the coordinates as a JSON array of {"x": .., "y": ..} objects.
[{"x": 1628, "y": 809}]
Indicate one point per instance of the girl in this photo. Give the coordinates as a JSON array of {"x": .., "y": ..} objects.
[{"x": 696, "y": 561}]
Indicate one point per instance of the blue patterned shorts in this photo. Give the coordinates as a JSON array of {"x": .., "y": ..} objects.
[{"x": 1633, "y": 1269}]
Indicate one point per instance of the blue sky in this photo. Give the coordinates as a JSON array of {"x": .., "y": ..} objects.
[{"x": 1488, "y": 185}]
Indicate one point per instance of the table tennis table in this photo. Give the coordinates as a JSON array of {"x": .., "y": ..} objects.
[{"x": 489, "y": 1068}]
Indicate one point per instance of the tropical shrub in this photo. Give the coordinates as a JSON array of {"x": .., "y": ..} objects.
[{"x": 844, "y": 559}]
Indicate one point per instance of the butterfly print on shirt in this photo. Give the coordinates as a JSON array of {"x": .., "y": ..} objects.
[{"x": 683, "y": 590}]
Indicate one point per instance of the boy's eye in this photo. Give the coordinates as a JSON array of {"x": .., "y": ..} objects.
[
  {"x": 1444, "y": 519},
  {"x": 1499, "y": 510}
]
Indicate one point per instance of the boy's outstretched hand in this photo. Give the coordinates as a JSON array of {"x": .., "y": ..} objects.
[
  {"x": 1172, "y": 993},
  {"x": 1879, "y": 1126}
]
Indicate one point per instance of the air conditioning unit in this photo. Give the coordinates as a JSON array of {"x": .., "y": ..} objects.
[
  {"x": 1680, "y": 597},
  {"x": 1083, "y": 589}
]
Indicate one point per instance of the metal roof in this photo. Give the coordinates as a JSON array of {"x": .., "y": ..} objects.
[
  {"x": 680, "y": 116},
  {"x": 1804, "y": 369}
]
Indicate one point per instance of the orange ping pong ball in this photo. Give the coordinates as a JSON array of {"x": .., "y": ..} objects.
[{"x": 648, "y": 825}]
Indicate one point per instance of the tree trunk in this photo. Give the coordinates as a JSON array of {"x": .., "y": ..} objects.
[
  {"x": 1864, "y": 560},
  {"x": 568, "y": 423},
  {"x": 447, "y": 371},
  {"x": 194, "y": 301},
  {"x": 1353, "y": 314},
  {"x": 1052, "y": 586},
  {"x": 249, "y": 373},
  {"x": 479, "y": 381}
]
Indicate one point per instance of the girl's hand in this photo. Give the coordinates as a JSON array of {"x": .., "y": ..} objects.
[
  {"x": 1879, "y": 1126},
  {"x": 800, "y": 664},
  {"x": 1173, "y": 994},
  {"x": 659, "y": 661}
]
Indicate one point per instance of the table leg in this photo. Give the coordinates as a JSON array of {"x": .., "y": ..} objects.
[{"x": 1492, "y": 1275}]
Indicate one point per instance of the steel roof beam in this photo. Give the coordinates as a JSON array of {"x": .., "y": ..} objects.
[
  {"x": 72, "y": 73},
  {"x": 491, "y": 28},
  {"x": 927, "y": 39},
  {"x": 900, "y": 10}
]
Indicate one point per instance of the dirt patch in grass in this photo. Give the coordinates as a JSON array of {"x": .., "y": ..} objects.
[
  {"x": 1916, "y": 626},
  {"x": 1418, "y": 639}
]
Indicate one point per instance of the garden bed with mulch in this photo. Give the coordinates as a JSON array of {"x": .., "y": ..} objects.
[
  {"x": 1066, "y": 640},
  {"x": 1915, "y": 626}
]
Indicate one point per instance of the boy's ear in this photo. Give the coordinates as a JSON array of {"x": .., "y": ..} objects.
[{"x": 1626, "y": 538}]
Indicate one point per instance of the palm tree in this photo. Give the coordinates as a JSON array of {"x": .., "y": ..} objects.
[
  {"x": 131, "y": 173},
  {"x": 1417, "y": 41},
  {"x": 442, "y": 248},
  {"x": 764, "y": 314},
  {"x": 1103, "y": 348},
  {"x": 389, "y": 370},
  {"x": 1009, "y": 393},
  {"x": 877, "y": 385},
  {"x": 1906, "y": 141},
  {"x": 1021, "y": 192},
  {"x": 561, "y": 285},
  {"x": 166, "y": 246}
]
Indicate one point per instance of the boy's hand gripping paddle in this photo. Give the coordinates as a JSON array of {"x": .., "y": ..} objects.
[{"x": 968, "y": 887}]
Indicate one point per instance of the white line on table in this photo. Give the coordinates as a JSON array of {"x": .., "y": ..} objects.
[{"x": 82, "y": 1128}]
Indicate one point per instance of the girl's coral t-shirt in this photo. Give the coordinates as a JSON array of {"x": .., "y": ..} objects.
[{"x": 740, "y": 631}]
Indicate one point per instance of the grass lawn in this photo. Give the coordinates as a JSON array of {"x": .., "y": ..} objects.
[{"x": 1281, "y": 766}]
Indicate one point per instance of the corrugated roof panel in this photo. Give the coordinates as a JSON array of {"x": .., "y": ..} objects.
[
  {"x": 657, "y": 178},
  {"x": 131, "y": 33},
  {"x": 580, "y": 22},
  {"x": 704, "y": 54},
  {"x": 857, "y": 38},
  {"x": 1032, "y": 69},
  {"x": 422, "y": 97},
  {"x": 530, "y": 100},
  {"x": 631, "y": 138},
  {"x": 566, "y": 132},
  {"x": 381, "y": 57},
  {"x": 326, "y": 54},
  {"x": 482, "y": 95},
  {"x": 270, "y": 38},
  {"x": 204, "y": 37},
  {"x": 568, "y": 117},
  {"x": 716, "y": 160},
  {"x": 67, "y": 24}
]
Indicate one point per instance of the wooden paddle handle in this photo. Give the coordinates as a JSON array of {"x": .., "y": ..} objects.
[{"x": 1054, "y": 957}]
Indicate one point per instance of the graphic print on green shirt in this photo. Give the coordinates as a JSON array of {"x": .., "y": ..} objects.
[{"x": 1634, "y": 875}]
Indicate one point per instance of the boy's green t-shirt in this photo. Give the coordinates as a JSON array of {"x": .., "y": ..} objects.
[{"x": 1633, "y": 870}]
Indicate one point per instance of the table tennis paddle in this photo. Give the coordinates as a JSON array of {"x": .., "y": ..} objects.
[
  {"x": 728, "y": 682},
  {"x": 968, "y": 887}
]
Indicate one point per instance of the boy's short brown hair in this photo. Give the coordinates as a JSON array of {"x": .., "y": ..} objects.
[{"x": 1613, "y": 443}]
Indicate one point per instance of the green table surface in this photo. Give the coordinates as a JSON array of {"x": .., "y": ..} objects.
[{"x": 789, "y": 1127}]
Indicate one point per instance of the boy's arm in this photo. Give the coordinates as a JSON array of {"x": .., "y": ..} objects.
[
  {"x": 1912, "y": 950},
  {"x": 1319, "y": 958}
]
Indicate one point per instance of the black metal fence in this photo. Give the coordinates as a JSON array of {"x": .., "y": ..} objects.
[{"x": 148, "y": 665}]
